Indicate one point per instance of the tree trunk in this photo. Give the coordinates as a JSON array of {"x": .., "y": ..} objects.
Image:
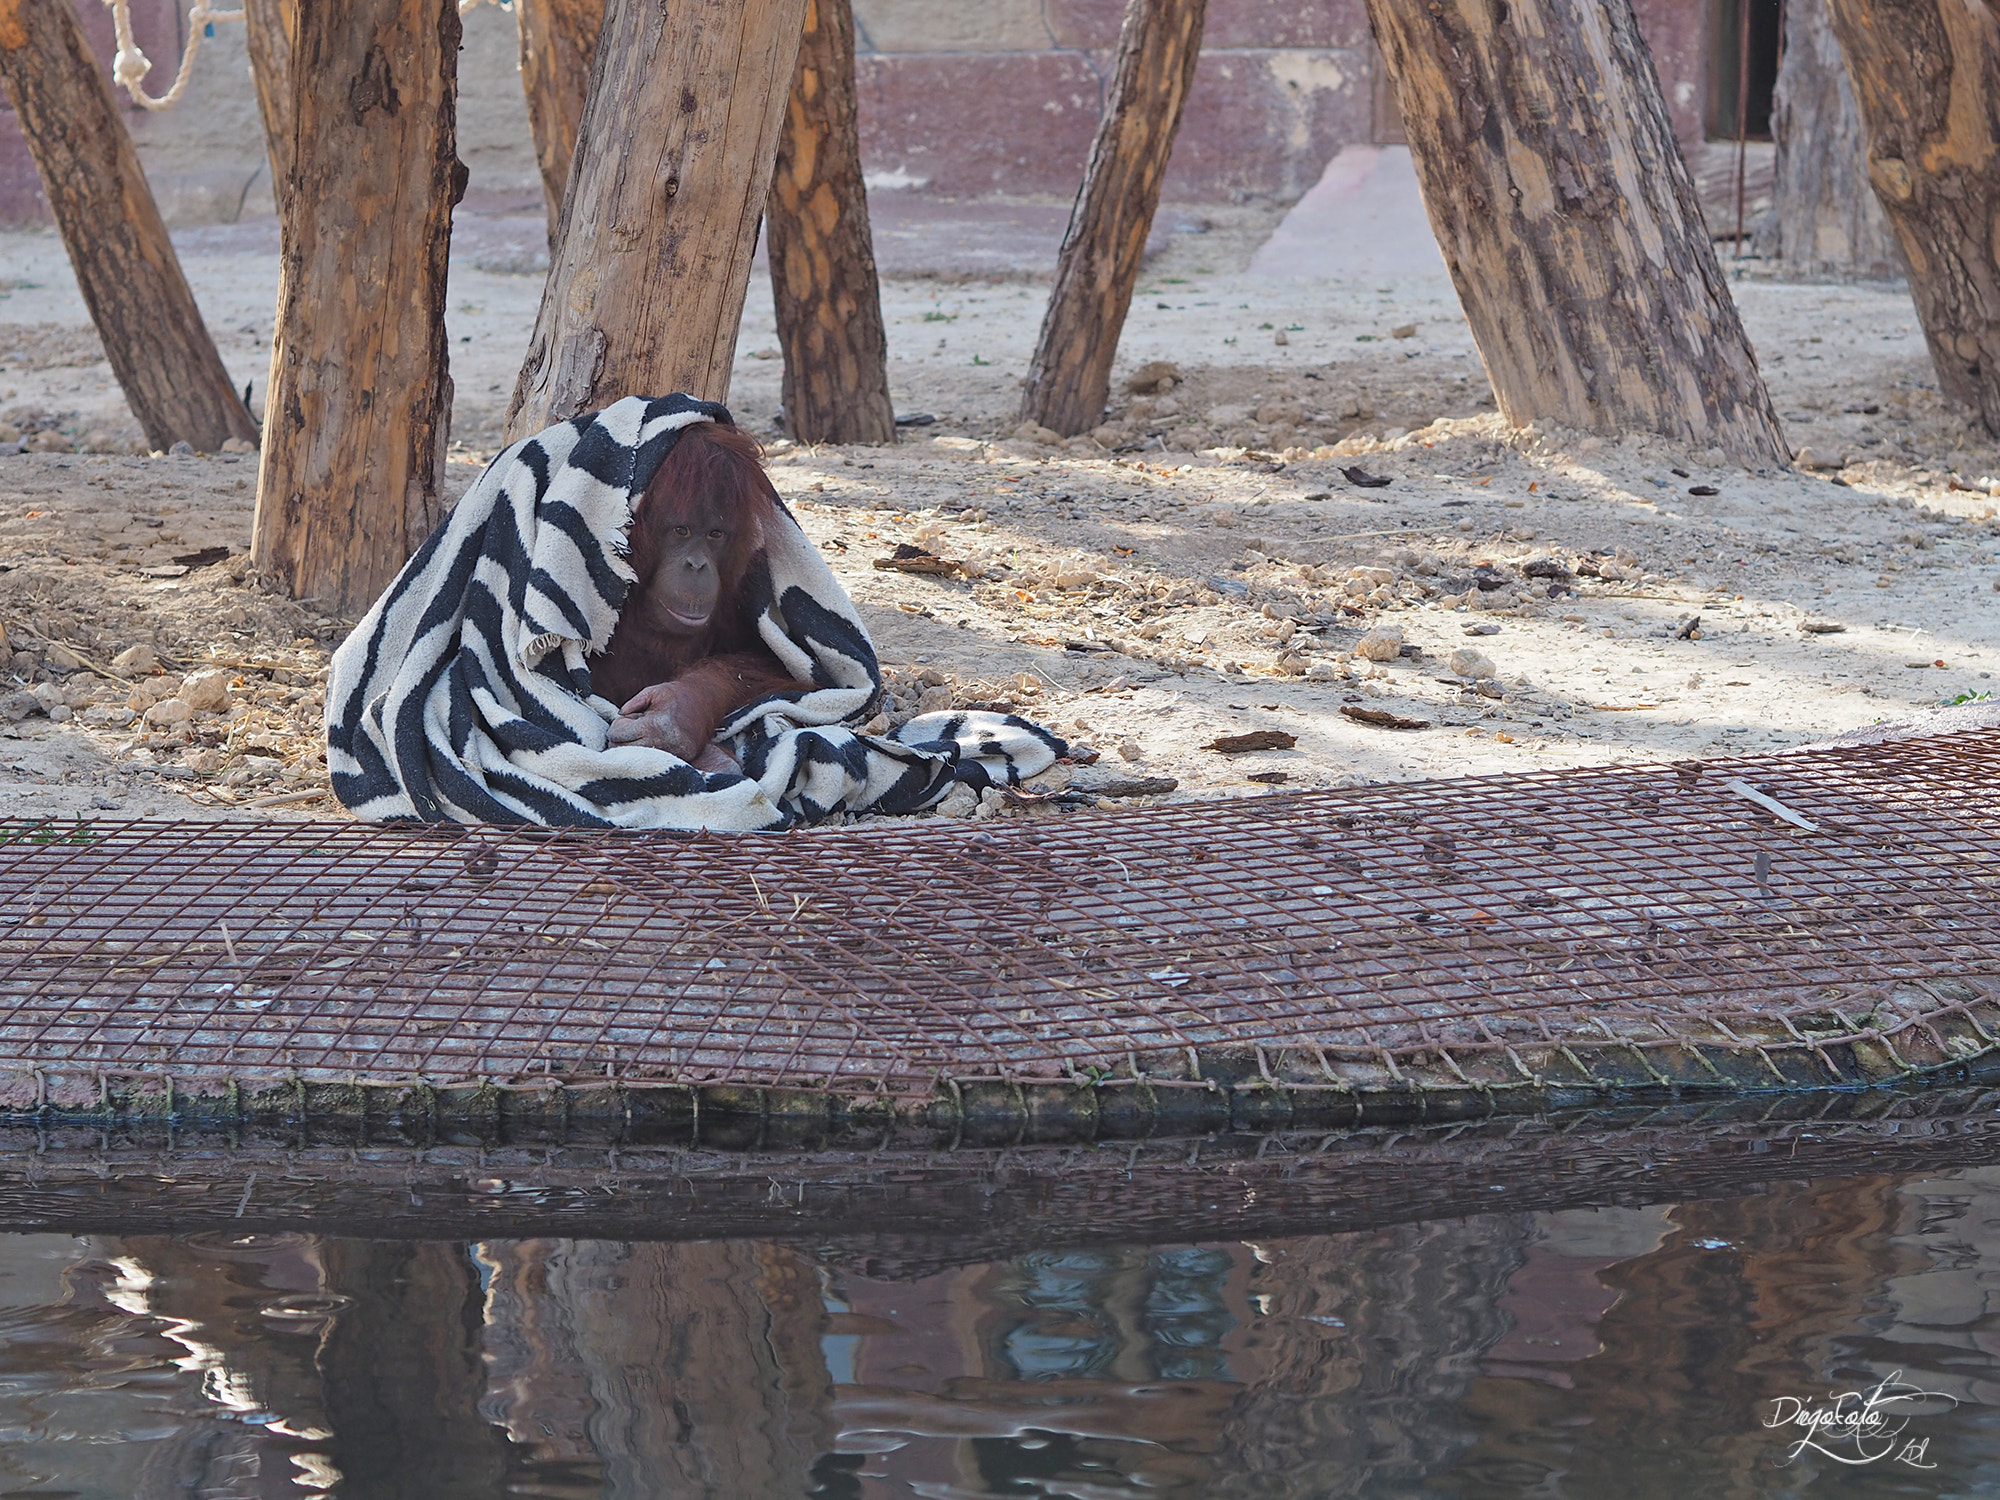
[
  {"x": 558, "y": 45},
  {"x": 828, "y": 301},
  {"x": 1824, "y": 218},
  {"x": 1926, "y": 75},
  {"x": 131, "y": 281},
  {"x": 269, "y": 29},
  {"x": 673, "y": 163},
  {"x": 1070, "y": 374},
  {"x": 1569, "y": 221},
  {"x": 359, "y": 402}
]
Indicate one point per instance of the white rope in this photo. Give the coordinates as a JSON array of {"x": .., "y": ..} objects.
[{"x": 130, "y": 67}]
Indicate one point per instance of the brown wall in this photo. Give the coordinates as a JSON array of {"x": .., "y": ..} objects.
[{"x": 966, "y": 97}]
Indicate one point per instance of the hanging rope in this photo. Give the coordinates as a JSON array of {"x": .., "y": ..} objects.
[{"x": 130, "y": 67}]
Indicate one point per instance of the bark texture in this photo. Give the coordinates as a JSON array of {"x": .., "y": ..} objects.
[
  {"x": 269, "y": 28},
  {"x": 558, "y": 47},
  {"x": 131, "y": 281},
  {"x": 1569, "y": 221},
  {"x": 359, "y": 402},
  {"x": 1070, "y": 374},
  {"x": 673, "y": 163},
  {"x": 1926, "y": 75},
  {"x": 1824, "y": 218},
  {"x": 829, "y": 303}
]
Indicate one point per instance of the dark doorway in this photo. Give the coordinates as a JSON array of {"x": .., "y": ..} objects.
[{"x": 1727, "y": 72}]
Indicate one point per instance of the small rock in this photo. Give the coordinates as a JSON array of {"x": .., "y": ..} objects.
[
  {"x": 182, "y": 449},
  {"x": 63, "y": 659},
  {"x": 959, "y": 802},
  {"x": 1131, "y": 750},
  {"x": 1322, "y": 671},
  {"x": 48, "y": 441},
  {"x": 205, "y": 691},
  {"x": 1383, "y": 643},
  {"x": 17, "y": 706},
  {"x": 106, "y": 804},
  {"x": 1054, "y": 779},
  {"x": 1280, "y": 339},
  {"x": 168, "y": 712},
  {"x": 1153, "y": 377},
  {"x": 136, "y": 661},
  {"x": 1484, "y": 627},
  {"x": 1403, "y": 331},
  {"x": 239, "y": 445},
  {"x": 1486, "y": 687},
  {"x": 59, "y": 712},
  {"x": 877, "y": 725},
  {"x": 1034, "y": 432},
  {"x": 1467, "y": 662},
  {"x": 934, "y": 700}
]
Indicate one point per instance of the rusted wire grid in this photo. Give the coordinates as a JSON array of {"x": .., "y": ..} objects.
[{"x": 1485, "y": 936}]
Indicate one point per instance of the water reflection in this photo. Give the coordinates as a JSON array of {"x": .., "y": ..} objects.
[{"x": 1582, "y": 1352}]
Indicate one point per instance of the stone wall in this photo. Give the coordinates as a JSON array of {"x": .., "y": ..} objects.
[{"x": 963, "y": 97}]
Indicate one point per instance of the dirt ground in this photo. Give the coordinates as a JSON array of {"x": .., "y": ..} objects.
[{"x": 1201, "y": 566}]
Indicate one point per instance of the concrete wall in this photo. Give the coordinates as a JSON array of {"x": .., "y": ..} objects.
[{"x": 967, "y": 97}]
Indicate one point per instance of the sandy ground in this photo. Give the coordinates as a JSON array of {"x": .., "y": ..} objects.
[{"x": 1200, "y": 567}]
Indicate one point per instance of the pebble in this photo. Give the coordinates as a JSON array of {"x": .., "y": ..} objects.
[
  {"x": 959, "y": 802},
  {"x": 1467, "y": 662},
  {"x": 135, "y": 660},
  {"x": 1383, "y": 643},
  {"x": 182, "y": 449},
  {"x": 17, "y": 706},
  {"x": 205, "y": 691},
  {"x": 1131, "y": 750},
  {"x": 1322, "y": 671},
  {"x": 934, "y": 700},
  {"x": 169, "y": 711}
]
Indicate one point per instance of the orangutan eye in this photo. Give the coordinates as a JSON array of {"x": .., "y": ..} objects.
[
  {"x": 680, "y": 531},
  {"x": 715, "y": 536}
]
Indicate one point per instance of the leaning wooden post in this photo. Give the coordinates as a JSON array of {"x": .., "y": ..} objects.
[
  {"x": 359, "y": 402},
  {"x": 1926, "y": 75},
  {"x": 1569, "y": 222},
  {"x": 823, "y": 284},
  {"x": 131, "y": 281},
  {"x": 1824, "y": 216},
  {"x": 1070, "y": 374},
  {"x": 269, "y": 27},
  {"x": 673, "y": 163},
  {"x": 558, "y": 46}
]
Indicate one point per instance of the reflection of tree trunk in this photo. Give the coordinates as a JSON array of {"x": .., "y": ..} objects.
[
  {"x": 695, "y": 1368},
  {"x": 403, "y": 1373},
  {"x": 153, "y": 334},
  {"x": 673, "y": 163},
  {"x": 828, "y": 303},
  {"x": 1371, "y": 1343},
  {"x": 1569, "y": 221},
  {"x": 558, "y": 45},
  {"x": 359, "y": 400},
  {"x": 1926, "y": 75},
  {"x": 1824, "y": 217},
  {"x": 1070, "y": 374}
]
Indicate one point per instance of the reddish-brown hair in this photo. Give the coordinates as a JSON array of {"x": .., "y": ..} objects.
[{"x": 712, "y": 473}]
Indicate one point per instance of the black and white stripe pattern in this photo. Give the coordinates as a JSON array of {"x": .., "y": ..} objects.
[{"x": 464, "y": 695}]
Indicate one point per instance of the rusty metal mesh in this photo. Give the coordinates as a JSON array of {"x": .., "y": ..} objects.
[{"x": 1472, "y": 933}]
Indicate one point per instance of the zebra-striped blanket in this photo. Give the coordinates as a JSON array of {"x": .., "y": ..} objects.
[{"x": 464, "y": 695}]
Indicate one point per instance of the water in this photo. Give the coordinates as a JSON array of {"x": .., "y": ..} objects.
[{"x": 1609, "y": 1348}]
